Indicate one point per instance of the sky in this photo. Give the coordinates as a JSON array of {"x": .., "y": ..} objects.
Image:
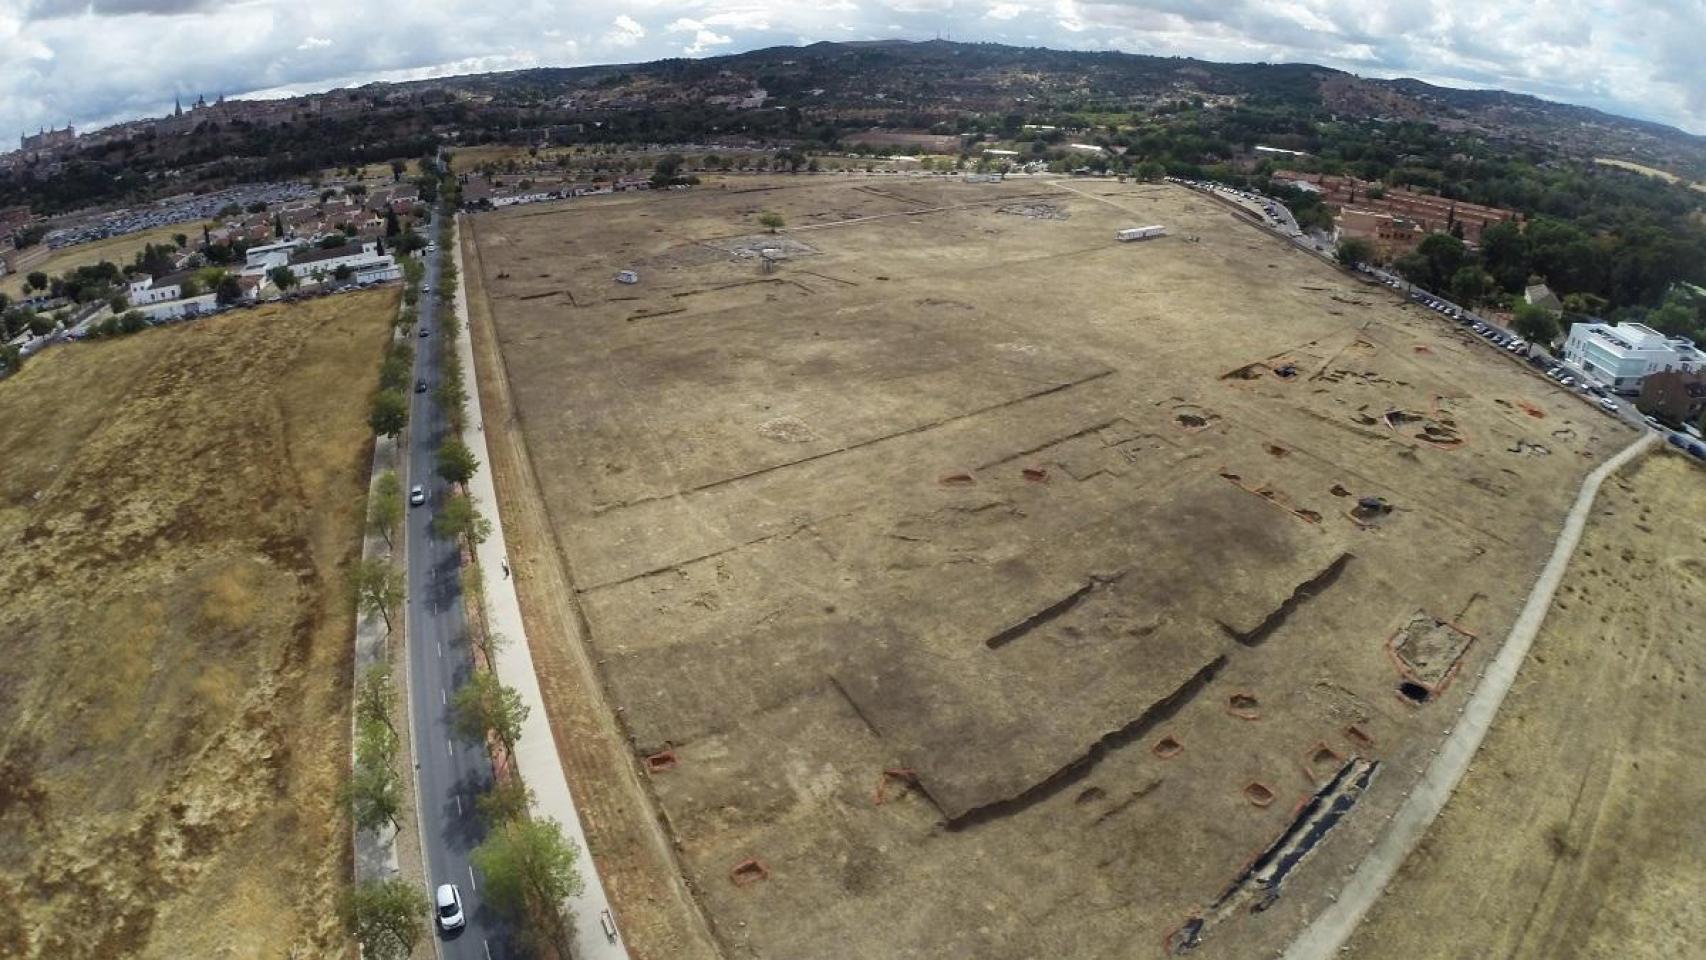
[{"x": 95, "y": 62}]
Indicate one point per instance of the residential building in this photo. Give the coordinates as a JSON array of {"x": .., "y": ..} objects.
[
  {"x": 1433, "y": 214},
  {"x": 1622, "y": 356},
  {"x": 1392, "y": 236},
  {"x": 1674, "y": 397}
]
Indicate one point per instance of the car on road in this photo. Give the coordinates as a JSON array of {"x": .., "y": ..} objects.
[
  {"x": 1653, "y": 422},
  {"x": 448, "y": 900},
  {"x": 417, "y": 495},
  {"x": 1607, "y": 404},
  {"x": 420, "y": 386},
  {"x": 423, "y": 330}
]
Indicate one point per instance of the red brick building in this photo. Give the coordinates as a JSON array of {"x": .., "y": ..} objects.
[{"x": 1432, "y": 214}]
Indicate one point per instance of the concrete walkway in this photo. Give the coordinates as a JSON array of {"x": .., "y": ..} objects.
[
  {"x": 1329, "y": 932},
  {"x": 375, "y": 850},
  {"x": 535, "y": 751}
]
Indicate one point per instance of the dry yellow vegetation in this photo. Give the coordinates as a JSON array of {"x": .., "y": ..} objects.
[
  {"x": 1578, "y": 831},
  {"x": 175, "y": 510}
]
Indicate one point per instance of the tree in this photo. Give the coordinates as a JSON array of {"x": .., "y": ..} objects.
[
  {"x": 1414, "y": 267},
  {"x": 394, "y": 371},
  {"x": 390, "y": 413},
  {"x": 37, "y": 280},
  {"x": 375, "y": 791},
  {"x": 665, "y": 169},
  {"x": 385, "y": 916},
  {"x": 385, "y": 507},
  {"x": 1470, "y": 285},
  {"x": 283, "y": 278},
  {"x": 11, "y": 358},
  {"x": 392, "y": 227},
  {"x": 484, "y": 704},
  {"x": 507, "y": 800},
  {"x": 456, "y": 463},
  {"x": 378, "y": 587},
  {"x": 1353, "y": 250},
  {"x": 1534, "y": 324},
  {"x": 181, "y": 240},
  {"x": 375, "y": 695},
  {"x": 458, "y": 518},
  {"x": 530, "y": 868},
  {"x": 228, "y": 290},
  {"x": 1444, "y": 254},
  {"x": 343, "y": 272},
  {"x": 397, "y": 168},
  {"x": 770, "y": 220}
]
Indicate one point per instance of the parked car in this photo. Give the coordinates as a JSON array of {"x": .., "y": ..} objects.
[
  {"x": 449, "y": 903},
  {"x": 420, "y": 386},
  {"x": 1677, "y": 441},
  {"x": 423, "y": 330},
  {"x": 417, "y": 495},
  {"x": 1607, "y": 404}
]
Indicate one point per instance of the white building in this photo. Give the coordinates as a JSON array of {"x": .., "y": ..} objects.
[
  {"x": 145, "y": 291},
  {"x": 271, "y": 255},
  {"x": 1622, "y": 356},
  {"x": 173, "y": 309},
  {"x": 363, "y": 259}
]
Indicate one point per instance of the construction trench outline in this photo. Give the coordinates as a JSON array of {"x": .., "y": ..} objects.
[{"x": 1332, "y": 928}]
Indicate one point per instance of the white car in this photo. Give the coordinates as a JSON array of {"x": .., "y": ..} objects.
[
  {"x": 417, "y": 495},
  {"x": 449, "y": 904},
  {"x": 1606, "y": 404}
]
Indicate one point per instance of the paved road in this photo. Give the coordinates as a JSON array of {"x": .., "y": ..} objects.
[{"x": 449, "y": 773}]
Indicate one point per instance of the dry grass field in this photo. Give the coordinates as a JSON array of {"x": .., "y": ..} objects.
[
  {"x": 119, "y": 250},
  {"x": 175, "y": 508},
  {"x": 974, "y": 585},
  {"x": 1579, "y": 832}
]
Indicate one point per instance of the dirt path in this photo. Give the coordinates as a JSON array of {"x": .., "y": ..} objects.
[{"x": 660, "y": 921}]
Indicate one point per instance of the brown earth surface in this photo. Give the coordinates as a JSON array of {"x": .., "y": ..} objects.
[
  {"x": 1001, "y": 589},
  {"x": 1580, "y": 831},
  {"x": 176, "y": 508}
]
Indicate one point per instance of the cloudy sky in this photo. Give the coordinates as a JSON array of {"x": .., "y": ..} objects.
[{"x": 92, "y": 62}]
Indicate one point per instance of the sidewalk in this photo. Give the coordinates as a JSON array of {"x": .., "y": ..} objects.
[
  {"x": 535, "y": 750},
  {"x": 375, "y": 850}
]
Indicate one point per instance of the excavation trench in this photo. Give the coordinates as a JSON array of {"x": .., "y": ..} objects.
[
  {"x": 1306, "y": 591},
  {"x": 1158, "y": 712},
  {"x": 1258, "y": 885}
]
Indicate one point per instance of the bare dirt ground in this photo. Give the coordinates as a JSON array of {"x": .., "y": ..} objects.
[
  {"x": 998, "y": 589},
  {"x": 175, "y": 510},
  {"x": 1580, "y": 830}
]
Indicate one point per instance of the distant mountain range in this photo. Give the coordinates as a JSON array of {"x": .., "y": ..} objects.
[{"x": 939, "y": 78}]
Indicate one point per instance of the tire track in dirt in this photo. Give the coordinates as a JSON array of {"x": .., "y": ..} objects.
[{"x": 659, "y": 919}]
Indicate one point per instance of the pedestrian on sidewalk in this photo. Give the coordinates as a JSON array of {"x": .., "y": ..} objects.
[{"x": 505, "y": 564}]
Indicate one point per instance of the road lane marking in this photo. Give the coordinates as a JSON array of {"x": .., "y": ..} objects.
[
  {"x": 443, "y": 698},
  {"x": 440, "y": 647},
  {"x": 459, "y": 804},
  {"x": 471, "y": 882},
  {"x": 488, "y": 949},
  {"x": 450, "y": 749}
]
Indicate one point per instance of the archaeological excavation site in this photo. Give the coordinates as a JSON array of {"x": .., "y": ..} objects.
[{"x": 966, "y": 583}]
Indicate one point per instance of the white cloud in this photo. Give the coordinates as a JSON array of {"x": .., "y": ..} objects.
[
  {"x": 625, "y": 31},
  {"x": 313, "y": 43},
  {"x": 1004, "y": 11},
  {"x": 684, "y": 24},
  {"x": 704, "y": 40}
]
